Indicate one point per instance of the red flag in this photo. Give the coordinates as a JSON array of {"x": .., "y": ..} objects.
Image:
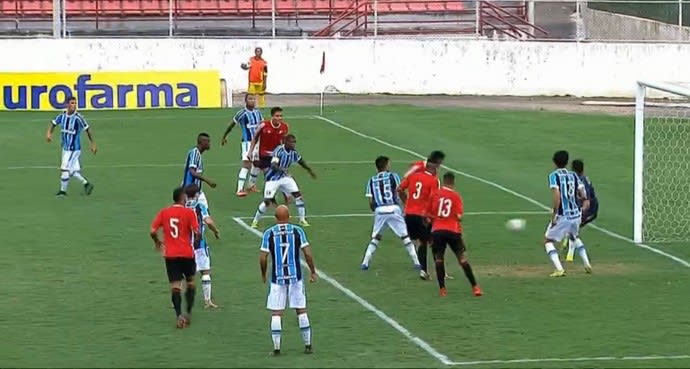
[{"x": 323, "y": 63}]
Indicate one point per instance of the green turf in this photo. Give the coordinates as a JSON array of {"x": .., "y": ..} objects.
[{"x": 84, "y": 287}]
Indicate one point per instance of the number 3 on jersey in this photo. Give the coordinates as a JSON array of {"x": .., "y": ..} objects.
[
  {"x": 417, "y": 190},
  {"x": 444, "y": 207},
  {"x": 174, "y": 229}
]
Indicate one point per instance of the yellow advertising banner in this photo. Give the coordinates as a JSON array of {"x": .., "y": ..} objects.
[{"x": 110, "y": 90}]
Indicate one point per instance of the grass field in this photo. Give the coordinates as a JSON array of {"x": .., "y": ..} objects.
[{"x": 84, "y": 287}]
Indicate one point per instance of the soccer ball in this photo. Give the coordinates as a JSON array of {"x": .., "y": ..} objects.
[
  {"x": 244, "y": 66},
  {"x": 516, "y": 224}
]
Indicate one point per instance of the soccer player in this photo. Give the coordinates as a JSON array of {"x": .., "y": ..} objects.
[
  {"x": 415, "y": 191},
  {"x": 278, "y": 179},
  {"x": 566, "y": 188},
  {"x": 248, "y": 118},
  {"x": 383, "y": 201},
  {"x": 194, "y": 167},
  {"x": 445, "y": 209},
  {"x": 258, "y": 74},
  {"x": 202, "y": 255},
  {"x": 179, "y": 225},
  {"x": 588, "y": 214},
  {"x": 420, "y": 165},
  {"x": 269, "y": 134},
  {"x": 282, "y": 243},
  {"x": 71, "y": 125}
]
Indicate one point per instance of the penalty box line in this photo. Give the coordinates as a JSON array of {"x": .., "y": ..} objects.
[
  {"x": 655, "y": 250},
  {"x": 367, "y": 305},
  {"x": 369, "y": 215}
]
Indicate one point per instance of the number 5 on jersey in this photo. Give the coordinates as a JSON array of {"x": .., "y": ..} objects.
[{"x": 174, "y": 229}]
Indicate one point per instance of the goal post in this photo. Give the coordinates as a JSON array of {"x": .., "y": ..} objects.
[{"x": 662, "y": 163}]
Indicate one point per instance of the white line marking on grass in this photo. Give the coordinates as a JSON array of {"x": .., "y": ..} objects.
[
  {"x": 504, "y": 189},
  {"x": 416, "y": 340},
  {"x": 115, "y": 166},
  {"x": 471, "y": 213},
  {"x": 576, "y": 359},
  {"x": 16, "y": 116}
]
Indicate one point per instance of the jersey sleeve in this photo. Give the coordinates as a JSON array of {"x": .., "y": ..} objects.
[
  {"x": 58, "y": 120},
  {"x": 367, "y": 191},
  {"x": 204, "y": 211},
  {"x": 193, "y": 159},
  {"x": 193, "y": 221},
  {"x": 239, "y": 116},
  {"x": 298, "y": 156},
  {"x": 265, "y": 240},
  {"x": 157, "y": 221},
  {"x": 553, "y": 180},
  {"x": 396, "y": 180},
  {"x": 404, "y": 183},
  {"x": 304, "y": 242},
  {"x": 83, "y": 122}
]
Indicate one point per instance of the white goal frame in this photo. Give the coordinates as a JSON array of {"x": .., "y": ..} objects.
[{"x": 638, "y": 190}]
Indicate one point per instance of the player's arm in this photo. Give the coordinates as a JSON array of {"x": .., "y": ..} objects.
[
  {"x": 155, "y": 226},
  {"x": 198, "y": 176},
  {"x": 255, "y": 139},
  {"x": 304, "y": 165},
  {"x": 412, "y": 169},
  {"x": 459, "y": 208},
  {"x": 582, "y": 194},
  {"x": 370, "y": 196},
  {"x": 54, "y": 123},
  {"x": 263, "y": 264},
  {"x": 306, "y": 250},
  {"x": 231, "y": 125},
  {"x": 402, "y": 190},
  {"x": 265, "y": 74},
  {"x": 92, "y": 141},
  {"x": 556, "y": 203},
  {"x": 212, "y": 226}
]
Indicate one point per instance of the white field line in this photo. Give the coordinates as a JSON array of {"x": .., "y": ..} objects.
[
  {"x": 113, "y": 166},
  {"x": 416, "y": 340},
  {"x": 369, "y": 215},
  {"x": 200, "y": 114},
  {"x": 576, "y": 359},
  {"x": 683, "y": 262}
]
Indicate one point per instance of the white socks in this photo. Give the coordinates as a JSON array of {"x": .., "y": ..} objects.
[
  {"x": 253, "y": 174},
  {"x": 64, "y": 180},
  {"x": 79, "y": 177},
  {"x": 301, "y": 210},
  {"x": 553, "y": 255},
  {"x": 276, "y": 331},
  {"x": 371, "y": 249},
  {"x": 260, "y": 212},
  {"x": 580, "y": 248},
  {"x": 206, "y": 286},
  {"x": 411, "y": 250},
  {"x": 241, "y": 178},
  {"x": 305, "y": 328}
]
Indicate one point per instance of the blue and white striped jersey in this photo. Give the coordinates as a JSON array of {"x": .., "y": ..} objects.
[
  {"x": 71, "y": 127},
  {"x": 201, "y": 212},
  {"x": 568, "y": 184},
  {"x": 193, "y": 162},
  {"x": 248, "y": 120},
  {"x": 284, "y": 242},
  {"x": 285, "y": 159},
  {"x": 383, "y": 188}
]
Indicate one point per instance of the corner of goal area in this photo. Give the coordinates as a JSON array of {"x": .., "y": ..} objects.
[{"x": 326, "y": 95}]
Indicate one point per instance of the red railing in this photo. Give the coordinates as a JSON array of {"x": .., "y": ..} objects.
[{"x": 495, "y": 18}]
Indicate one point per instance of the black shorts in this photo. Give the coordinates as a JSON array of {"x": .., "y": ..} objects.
[
  {"x": 417, "y": 228},
  {"x": 265, "y": 162},
  {"x": 180, "y": 269},
  {"x": 441, "y": 239},
  {"x": 590, "y": 215}
]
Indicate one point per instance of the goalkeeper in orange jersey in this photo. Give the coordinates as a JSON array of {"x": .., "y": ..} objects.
[{"x": 258, "y": 72}]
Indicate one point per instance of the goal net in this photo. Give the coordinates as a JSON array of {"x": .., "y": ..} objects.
[{"x": 662, "y": 163}]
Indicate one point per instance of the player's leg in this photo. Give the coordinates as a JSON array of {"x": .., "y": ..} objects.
[
  {"x": 189, "y": 272},
  {"x": 75, "y": 171},
  {"x": 579, "y": 245},
  {"x": 555, "y": 233},
  {"x": 457, "y": 244},
  {"x": 438, "y": 248},
  {"x": 297, "y": 298},
  {"x": 174, "y": 271},
  {"x": 64, "y": 172},
  {"x": 379, "y": 226},
  {"x": 203, "y": 267},
  {"x": 277, "y": 294},
  {"x": 397, "y": 224},
  {"x": 244, "y": 170},
  {"x": 254, "y": 172},
  {"x": 288, "y": 185},
  {"x": 270, "y": 189}
]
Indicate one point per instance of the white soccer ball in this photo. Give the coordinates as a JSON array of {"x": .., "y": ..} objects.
[{"x": 516, "y": 224}]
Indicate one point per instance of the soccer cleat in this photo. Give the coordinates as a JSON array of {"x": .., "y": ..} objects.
[
  {"x": 443, "y": 292},
  {"x": 477, "y": 291},
  {"x": 187, "y": 319},
  {"x": 88, "y": 188},
  {"x": 557, "y": 273},
  {"x": 241, "y": 194},
  {"x": 208, "y": 304},
  {"x": 308, "y": 350},
  {"x": 274, "y": 353},
  {"x": 570, "y": 256},
  {"x": 424, "y": 275},
  {"x": 588, "y": 269},
  {"x": 61, "y": 194},
  {"x": 181, "y": 322},
  {"x": 364, "y": 267},
  {"x": 255, "y": 224},
  {"x": 304, "y": 223}
]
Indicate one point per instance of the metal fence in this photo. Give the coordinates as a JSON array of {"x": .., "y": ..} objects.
[{"x": 605, "y": 20}]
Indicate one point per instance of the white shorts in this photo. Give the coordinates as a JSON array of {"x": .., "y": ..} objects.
[
  {"x": 563, "y": 228},
  {"x": 202, "y": 199},
  {"x": 286, "y": 185},
  {"x": 245, "y": 151},
  {"x": 389, "y": 217},
  {"x": 70, "y": 161},
  {"x": 294, "y": 294},
  {"x": 202, "y": 258}
]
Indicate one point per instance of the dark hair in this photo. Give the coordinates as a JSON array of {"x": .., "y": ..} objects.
[
  {"x": 246, "y": 96},
  {"x": 290, "y": 136},
  {"x": 276, "y": 110},
  {"x": 191, "y": 190},
  {"x": 449, "y": 177},
  {"x": 202, "y": 135},
  {"x": 436, "y": 157},
  {"x": 381, "y": 162},
  {"x": 578, "y": 166},
  {"x": 560, "y": 158},
  {"x": 71, "y": 98},
  {"x": 177, "y": 194}
]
